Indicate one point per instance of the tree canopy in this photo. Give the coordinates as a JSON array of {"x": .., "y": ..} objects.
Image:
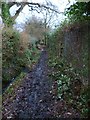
[
  {"x": 32, "y": 7},
  {"x": 79, "y": 11}
]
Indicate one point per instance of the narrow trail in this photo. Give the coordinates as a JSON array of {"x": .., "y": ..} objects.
[{"x": 34, "y": 99}]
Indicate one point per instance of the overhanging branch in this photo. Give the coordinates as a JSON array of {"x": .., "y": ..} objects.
[{"x": 32, "y": 5}]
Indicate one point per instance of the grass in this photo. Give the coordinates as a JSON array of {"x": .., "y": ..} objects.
[{"x": 10, "y": 91}]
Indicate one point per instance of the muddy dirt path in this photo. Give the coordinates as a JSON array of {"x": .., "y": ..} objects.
[
  {"x": 37, "y": 97},
  {"x": 34, "y": 98}
]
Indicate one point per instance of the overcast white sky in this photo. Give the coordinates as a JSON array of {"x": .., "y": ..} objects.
[{"x": 61, "y": 5}]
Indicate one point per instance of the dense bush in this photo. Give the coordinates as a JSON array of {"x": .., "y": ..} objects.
[
  {"x": 10, "y": 48},
  {"x": 72, "y": 81},
  {"x": 78, "y": 12},
  {"x": 15, "y": 57}
]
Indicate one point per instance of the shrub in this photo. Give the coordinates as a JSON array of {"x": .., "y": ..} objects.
[
  {"x": 71, "y": 80},
  {"x": 10, "y": 48},
  {"x": 15, "y": 56}
]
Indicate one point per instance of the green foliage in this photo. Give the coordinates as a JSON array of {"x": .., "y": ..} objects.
[
  {"x": 78, "y": 12},
  {"x": 68, "y": 76},
  {"x": 14, "y": 59},
  {"x": 6, "y": 14},
  {"x": 10, "y": 40},
  {"x": 84, "y": 100},
  {"x": 72, "y": 81},
  {"x": 31, "y": 55},
  {"x": 10, "y": 91}
]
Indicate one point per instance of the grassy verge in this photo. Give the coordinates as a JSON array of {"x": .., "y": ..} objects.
[{"x": 10, "y": 91}]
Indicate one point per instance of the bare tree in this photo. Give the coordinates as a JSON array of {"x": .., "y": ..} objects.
[
  {"x": 32, "y": 7},
  {"x": 36, "y": 28}
]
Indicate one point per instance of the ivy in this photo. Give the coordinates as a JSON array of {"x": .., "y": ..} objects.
[
  {"x": 6, "y": 14},
  {"x": 80, "y": 11}
]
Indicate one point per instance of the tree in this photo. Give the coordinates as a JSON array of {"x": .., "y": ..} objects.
[
  {"x": 36, "y": 29},
  {"x": 33, "y": 7},
  {"x": 6, "y": 14},
  {"x": 49, "y": 17},
  {"x": 79, "y": 11}
]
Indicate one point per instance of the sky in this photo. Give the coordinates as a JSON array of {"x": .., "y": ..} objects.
[
  {"x": 61, "y": 5},
  {"x": 22, "y": 18},
  {"x": 25, "y": 14}
]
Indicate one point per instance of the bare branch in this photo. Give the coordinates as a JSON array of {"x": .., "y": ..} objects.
[
  {"x": 34, "y": 6},
  {"x": 48, "y": 6}
]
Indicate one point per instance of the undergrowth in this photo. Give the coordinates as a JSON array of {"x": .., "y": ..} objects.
[
  {"x": 70, "y": 86},
  {"x": 72, "y": 81},
  {"x": 16, "y": 56},
  {"x": 10, "y": 91}
]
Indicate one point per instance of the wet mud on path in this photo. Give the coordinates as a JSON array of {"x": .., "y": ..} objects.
[{"x": 34, "y": 98}]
